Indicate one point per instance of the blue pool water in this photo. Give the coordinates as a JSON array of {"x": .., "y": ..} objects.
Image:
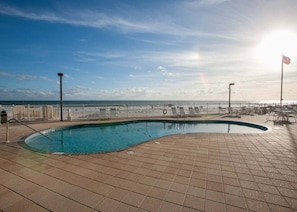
[{"x": 99, "y": 138}]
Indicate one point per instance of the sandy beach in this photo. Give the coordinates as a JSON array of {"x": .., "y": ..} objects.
[{"x": 190, "y": 172}]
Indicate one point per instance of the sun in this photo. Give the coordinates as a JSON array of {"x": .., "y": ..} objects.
[{"x": 274, "y": 44}]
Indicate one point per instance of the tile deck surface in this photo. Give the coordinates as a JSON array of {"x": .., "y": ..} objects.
[{"x": 189, "y": 172}]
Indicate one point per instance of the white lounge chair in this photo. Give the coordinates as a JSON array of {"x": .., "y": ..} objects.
[
  {"x": 182, "y": 112},
  {"x": 292, "y": 112},
  {"x": 283, "y": 114},
  {"x": 113, "y": 112},
  {"x": 174, "y": 112},
  {"x": 196, "y": 109},
  {"x": 102, "y": 113},
  {"x": 191, "y": 111}
]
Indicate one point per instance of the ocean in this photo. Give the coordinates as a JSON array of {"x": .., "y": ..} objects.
[
  {"x": 121, "y": 102},
  {"x": 134, "y": 103}
]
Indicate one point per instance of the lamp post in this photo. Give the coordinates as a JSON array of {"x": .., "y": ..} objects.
[
  {"x": 230, "y": 96},
  {"x": 61, "y": 97}
]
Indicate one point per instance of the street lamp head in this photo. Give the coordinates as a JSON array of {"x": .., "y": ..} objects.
[
  {"x": 60, "y": 74},
  {"x": 232, "y": 83}
]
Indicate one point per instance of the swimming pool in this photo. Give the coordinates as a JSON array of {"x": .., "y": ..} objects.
[{"x": 109, "y": 137}]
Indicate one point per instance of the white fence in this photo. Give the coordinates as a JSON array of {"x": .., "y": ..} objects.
[{"x": 81, "y": 112}]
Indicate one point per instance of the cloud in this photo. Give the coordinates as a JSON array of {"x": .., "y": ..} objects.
[
  {"x": 77, "y": 91},
  {"x": 135, "y": 23},
  {"x": 19, "y": 77},
  {"x": 27, "y": 93},
  {"x": 137, "y": 93},
  {"x": 185, "y": 48},
  {"x": 45, "y": 78},
  {"x": 70, "y": 68},
  {"x": 5, "y": 74},
  {"x": 84, "y": 56},
  {"x": 165, "y": 72},
  {"x": 86, "y": 60},
  {"x": 158, "y": 42},
  {"x": 207, "y": 2},
  {"x": 107, "y": 55},
  {"x": 100, "y": 77},
  {"x": 86, "y": 18},
  {"x": 67, "y": 76}
]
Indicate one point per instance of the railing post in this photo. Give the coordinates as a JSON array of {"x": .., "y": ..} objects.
[
  {"x": 69, "y": 118},
  {"x": 13, "y": 112},
  {"x": 219, "y": 108},
  {"x": 28, "y": 112},
  {"x": 7, "y": 131}
]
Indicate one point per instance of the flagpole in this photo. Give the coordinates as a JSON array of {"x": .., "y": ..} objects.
[{"x": 281, "y": 96}]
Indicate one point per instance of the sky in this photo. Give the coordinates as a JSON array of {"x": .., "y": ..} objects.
[{"x": 148, "y": 50}]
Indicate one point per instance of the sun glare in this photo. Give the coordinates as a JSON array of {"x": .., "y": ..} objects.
[{"x": 274, "y": 44}]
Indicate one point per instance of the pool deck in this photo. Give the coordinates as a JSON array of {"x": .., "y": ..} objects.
[{"x": 189, "y": 172}]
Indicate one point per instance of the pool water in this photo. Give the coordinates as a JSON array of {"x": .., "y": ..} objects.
[{"x": 99, "y": 138}]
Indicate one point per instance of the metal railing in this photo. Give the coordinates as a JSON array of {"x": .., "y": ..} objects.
[
  {"x": 97, "y": 111},
  {"x": 13, "y": 119}
]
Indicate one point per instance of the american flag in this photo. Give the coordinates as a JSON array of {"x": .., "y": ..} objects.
[{"x": 286, "y": 60}]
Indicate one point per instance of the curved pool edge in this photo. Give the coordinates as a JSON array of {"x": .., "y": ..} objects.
[
  {"x": 23, "y": 143},
  {"x": 262, "y": 127}
]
